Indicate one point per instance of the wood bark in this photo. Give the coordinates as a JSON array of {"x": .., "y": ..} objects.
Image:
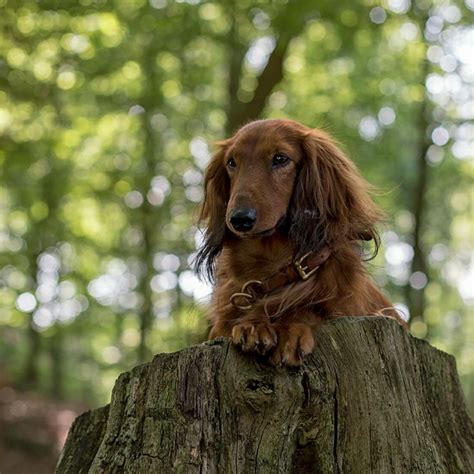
[{"x": 371, "y": 398}]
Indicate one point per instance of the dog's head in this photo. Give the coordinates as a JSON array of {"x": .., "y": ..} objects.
[{"x": 280, "y": 175}]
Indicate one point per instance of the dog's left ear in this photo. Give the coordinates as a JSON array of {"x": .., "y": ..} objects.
[{"x": 331, "y": 201}]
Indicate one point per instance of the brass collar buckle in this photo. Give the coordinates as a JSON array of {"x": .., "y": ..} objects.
[
  {"x": 291, "y": 273},
  {"x": 302, "y": 269},
  {"x": 246, "y": 297}
]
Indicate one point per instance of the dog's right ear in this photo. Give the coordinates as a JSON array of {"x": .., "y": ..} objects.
[{"x": 213, "y": 210}]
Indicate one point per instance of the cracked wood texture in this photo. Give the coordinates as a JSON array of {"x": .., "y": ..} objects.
[{"x": 371, "y": 399}]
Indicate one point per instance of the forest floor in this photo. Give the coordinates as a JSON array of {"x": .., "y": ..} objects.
[{"x": 33, "y": 430}]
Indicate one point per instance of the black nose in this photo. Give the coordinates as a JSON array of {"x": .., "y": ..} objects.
[{"x": 243, "y": 218}]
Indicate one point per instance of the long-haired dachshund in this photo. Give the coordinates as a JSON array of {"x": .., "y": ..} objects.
[{"x": 285, "y": 213}]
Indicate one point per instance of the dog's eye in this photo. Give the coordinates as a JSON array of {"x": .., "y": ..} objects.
[
  {"x": 231, "y": 163},
  {"x": 279, "y": 160}
]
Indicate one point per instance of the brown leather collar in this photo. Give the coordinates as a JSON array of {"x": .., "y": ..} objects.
[{"x": 301, "y": 269}]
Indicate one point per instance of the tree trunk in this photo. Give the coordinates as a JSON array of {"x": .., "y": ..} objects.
[
  {"x": 30, "y": 374},
  {"x": 370, "y": 399},
  {"x": 416, "y": 298},
  {"x": 56, "y": 355},
  {"x": 289, "y": 24}
]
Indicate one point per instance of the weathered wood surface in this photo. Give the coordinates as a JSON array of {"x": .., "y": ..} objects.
[{"x": 371, "y": 399}]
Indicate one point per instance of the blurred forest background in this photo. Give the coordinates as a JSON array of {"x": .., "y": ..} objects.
[{"x": 108, "y": 111}]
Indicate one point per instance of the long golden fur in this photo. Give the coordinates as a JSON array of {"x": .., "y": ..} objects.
[{"x": 306, "y": 194}]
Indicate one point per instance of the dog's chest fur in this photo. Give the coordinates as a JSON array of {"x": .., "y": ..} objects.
[{"x": 251, "y": 259}]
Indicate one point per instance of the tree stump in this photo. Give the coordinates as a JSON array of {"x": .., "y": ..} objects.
[{"x": 371, "y": 399}]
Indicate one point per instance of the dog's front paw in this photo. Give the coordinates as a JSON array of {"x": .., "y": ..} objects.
[
  {"x": 254, "y": 336},
  {"x": 295, "y": 342}
]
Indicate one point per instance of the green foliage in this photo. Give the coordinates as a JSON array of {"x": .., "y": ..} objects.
[{"x": 108, "y": 110}]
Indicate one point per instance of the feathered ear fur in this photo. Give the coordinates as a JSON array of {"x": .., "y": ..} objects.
[
  {"x": 331, "y": 201},
  {"x": 212, "y": 215}
]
